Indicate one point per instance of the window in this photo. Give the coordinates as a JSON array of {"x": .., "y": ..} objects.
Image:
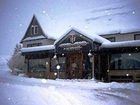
[
  {"x": 137, "y": 37},
  {"x": 112, "y": 39},
  {"x": 54, "y": 63},
  {"x": 126, "y": 61},
  {"x": 34, "y": 29},
  {"x": 38, "y": 65},
  {"x": 62, "y": 62},
  {"x": 34, "y": 44}
]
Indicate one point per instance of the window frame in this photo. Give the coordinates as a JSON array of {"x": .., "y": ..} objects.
[
  {"x": 119, "y": 58},
  {"x": 110, "y": 39},
  {"x": 135, "y": 35},
  {"x": 37, "y": 64},
  {"x": 34, "y": 29},
  {"x": 34, "y": 44}
]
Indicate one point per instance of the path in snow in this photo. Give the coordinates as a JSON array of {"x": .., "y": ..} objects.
[{"x": 15, "y": 90}]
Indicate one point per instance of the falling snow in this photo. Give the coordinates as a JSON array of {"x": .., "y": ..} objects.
[
  {"x": 133, "y": 12},
  {"x": 20, "y": 25},
  {"x": 44, "y": 12}
]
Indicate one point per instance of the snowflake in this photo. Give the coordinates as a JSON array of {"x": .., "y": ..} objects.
[
  {"x": 9, "y": 98},
  {"x": 43, "y": 11},
  {"x": 86, "y": 27},
  {"x": 20, "y": 25},
  {"x": 133, "y": 12}
]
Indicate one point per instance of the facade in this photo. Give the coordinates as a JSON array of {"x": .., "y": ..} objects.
[
  {"x": 76, "y": 55},
  {"x": 72, "y": 53},
  {"x": 123, "y": 56}
]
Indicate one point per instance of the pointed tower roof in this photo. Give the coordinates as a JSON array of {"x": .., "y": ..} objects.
[{"x": 34, "y": 31}]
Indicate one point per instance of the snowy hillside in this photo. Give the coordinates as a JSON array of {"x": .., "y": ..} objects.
[{"x": 17, "y": 90}]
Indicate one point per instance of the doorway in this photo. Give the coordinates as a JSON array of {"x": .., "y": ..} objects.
[{"x": 74, "y": 67}]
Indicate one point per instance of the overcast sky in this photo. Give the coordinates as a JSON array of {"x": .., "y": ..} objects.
[{"x": 57, "y": 16}]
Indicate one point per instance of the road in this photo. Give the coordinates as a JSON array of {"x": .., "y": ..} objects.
[{"x": 17, "y": 90}]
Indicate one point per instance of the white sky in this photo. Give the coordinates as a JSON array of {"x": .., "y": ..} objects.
[{"x": 57, "y": 16}]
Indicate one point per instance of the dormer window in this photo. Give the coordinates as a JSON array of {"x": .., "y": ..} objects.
[{"x": 34, "y": 29}]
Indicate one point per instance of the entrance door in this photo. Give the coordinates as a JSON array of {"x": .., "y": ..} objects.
[{"x": 74, "y": 65}]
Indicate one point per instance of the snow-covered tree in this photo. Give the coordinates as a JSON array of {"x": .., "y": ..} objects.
[{"x": 16, "y": 62}]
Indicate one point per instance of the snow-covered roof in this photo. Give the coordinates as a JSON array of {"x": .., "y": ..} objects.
[
  {"x": 98, "y": 39},
  {"x": 34, "y": 38},
  {"x": 133, "y": 43},
  {"x": 120, "y": 33},
  {"x": 38, "y": 48},
  {"x": 95, "y": 38}
]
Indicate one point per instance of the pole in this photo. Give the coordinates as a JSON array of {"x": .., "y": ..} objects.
[{"x": 93, "y": 67}]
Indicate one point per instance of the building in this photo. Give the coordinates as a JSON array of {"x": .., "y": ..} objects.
[
  {"x": 76, "y": 55},
  {"x": 35, "y": 36}
]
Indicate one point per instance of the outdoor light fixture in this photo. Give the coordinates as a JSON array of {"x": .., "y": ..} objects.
[
  {"x": 89, "y": 54},
  {"x": 55, "y": 56}
]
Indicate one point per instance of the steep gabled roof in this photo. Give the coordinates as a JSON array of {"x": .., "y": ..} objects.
[{"x": 29, "y": 34}]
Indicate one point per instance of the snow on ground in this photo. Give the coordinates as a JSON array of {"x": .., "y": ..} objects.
[{"x": 17, "y": 90}]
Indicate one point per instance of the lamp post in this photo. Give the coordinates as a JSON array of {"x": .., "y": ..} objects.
[
  {"x": 91, "y": 57},
  {"x": 57, "y": 66},
  {"x": 89, "y": 54}
]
